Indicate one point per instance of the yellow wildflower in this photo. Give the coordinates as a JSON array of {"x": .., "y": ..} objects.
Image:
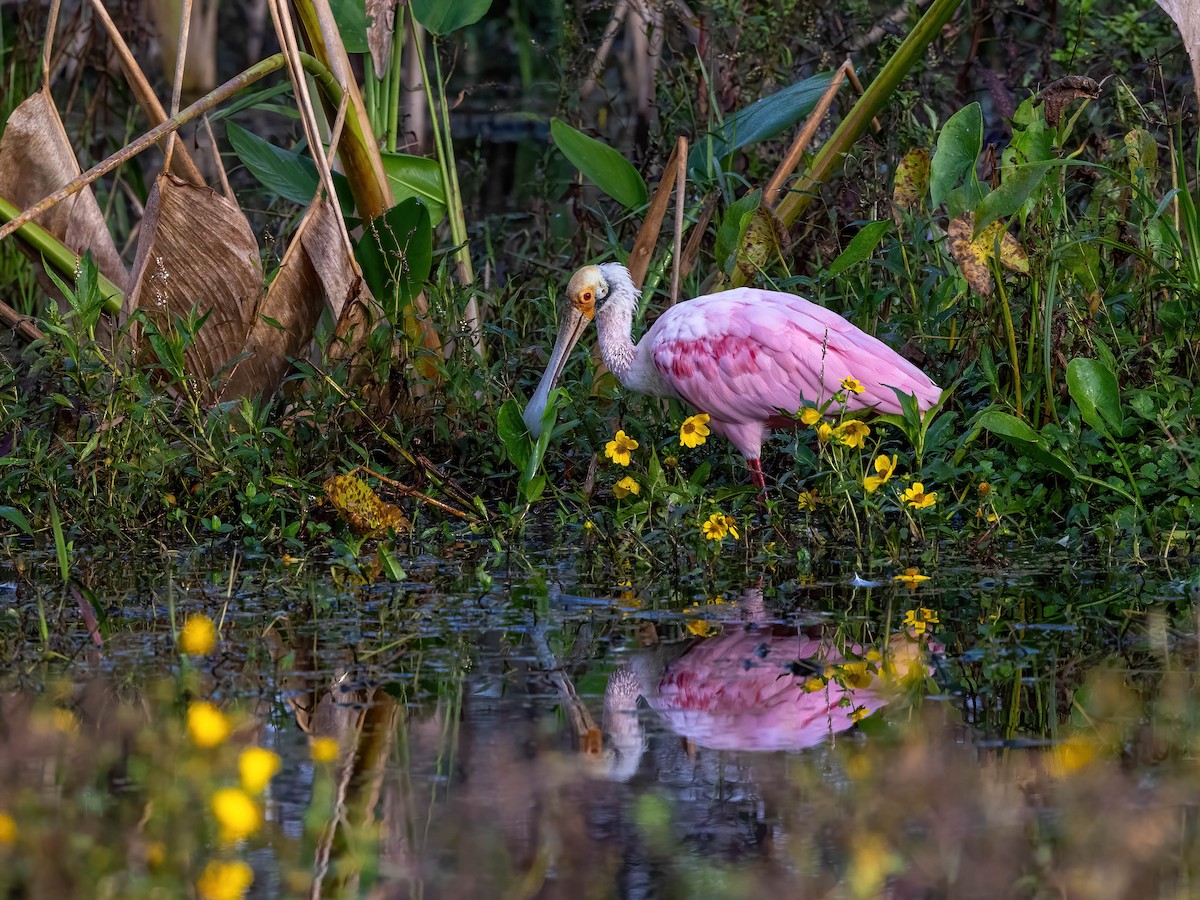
[
  {"x": 810, "y": 415},
  {"x": 808, "y": 500},
  {"x": 859, "y": 713},
  {"x": 812, "y": 685},
  {"x": 824, "y": 432},
  {"x": 225, "y": 881},
  {"x": 236, "y": 813},
  {"x": 625, "y": 487},
  {"x": 694, "y": 430},
  {"x": 700, "y": 628},
  {"x": 911, "y": 576},
  {"x": 885, "y": 467},
  {"x": 852, "y": 433},
  {"x": 1071, "y": 755},
  {"x": 715, "y": 528},
  {"x": 919, "y": 620},
  {"x": 198, "y": 637},
  {"x": 855, "y": 674},
  {"x": 984, "y": 488},
  {"x": 207, "y": 725},
  {"x": 256, "y": 767},
  {"x": 917, "y": 498},
  {"x": 731, "y": 527},
  {"x": 852, "y": 385},
  {"x": 8, "y": 829},
  {"x": 619, "y": 449},
  {"x": 323, "y": 749}
]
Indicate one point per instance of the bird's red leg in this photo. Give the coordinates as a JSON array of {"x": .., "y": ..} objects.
[{"x": 756, "y": 474}]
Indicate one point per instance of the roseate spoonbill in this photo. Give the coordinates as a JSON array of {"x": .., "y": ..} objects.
[{"x": 746, "y": 357}]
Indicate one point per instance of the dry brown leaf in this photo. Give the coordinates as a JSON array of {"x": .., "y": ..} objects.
[
  {"x": 973, "y": 253},
  {"x": 288, "y": 313},
  {"x": 1187, "y": 18},
  {"x": 196, "y": 250},
  {"x": 912, "y": 179},
  {"x": 1058, "y": 94},
  {"x": 381, "y": 23},
  {"x": 36, "y": 159},
  {"x": 361, "y": 507}
]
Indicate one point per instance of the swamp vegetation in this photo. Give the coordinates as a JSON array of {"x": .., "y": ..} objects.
[{"x": 293, "y": 604}]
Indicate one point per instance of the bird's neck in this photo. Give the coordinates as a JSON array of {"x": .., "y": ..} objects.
[{"x": 615, "y": 323}]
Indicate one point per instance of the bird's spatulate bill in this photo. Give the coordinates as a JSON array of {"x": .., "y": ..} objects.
[{"x": 573, "y": 324}]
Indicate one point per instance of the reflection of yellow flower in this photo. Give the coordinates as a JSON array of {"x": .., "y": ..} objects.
[
  {"x": 620, "y": 448},
  {"x": 808, "y": 500},
  {"x": 625, "y": 487},
  {"x": 8, "y": 829},
  {"x": 323, "y": 749},
  {"x": 1071, "y": 755},
  {"x": 207, "y": 725},
  {"x": 859, "y": 713},
  {"x": 810, "y": 415},
  {"x": 910, "y": 576},
  {"x": 813, "y": 685},
  {"x": 236, "y": 813},
  {"x": 694, "y": 430},
  {"x": 824, "y": 432},
  {"x": 256, "y": 767},
  {"x": 700, "y": 628},
  {"x": 225, "y": 881},
  {"x": 852, "y": 433},
  {"x": 716, "y": 527},
  {"x": 917, "y": 498},
  {"x": 919, "y": 620},
  {"x": 852, "y": 385},
  {"x": 885, "y": 467},
  {"x": 198, "y": 637}
]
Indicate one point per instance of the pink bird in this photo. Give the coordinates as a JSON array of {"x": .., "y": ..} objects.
[{"x": 746, "y": 357}]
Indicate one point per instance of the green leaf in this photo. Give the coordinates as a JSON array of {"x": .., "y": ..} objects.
[
  {"x": 733, "y": 228},
  {"x": 1022, "y": 436},
  {"x": 600, "y": 164},
  {"x": 351, "y": 19},
  {"x": 513, "y": 434},
  {"x": 293, "y": 176},
  {"x": 1094, "y": 389},
  {"x": 1018, "y": 186},
  {"x": 444, "y": 16},
  {"x": 958, "y": 147},
  {"x": 759, "y": 121},
  {"x": 17, "y": 518},
  {"x": 416, "y": 176},
  {"x": 61, "y": 549},
  {"x": 861, "y": 246},
  {"x": 396, "y": 255}
]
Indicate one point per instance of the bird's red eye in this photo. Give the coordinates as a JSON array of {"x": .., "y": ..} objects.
[{"x": 587, "y": 296}]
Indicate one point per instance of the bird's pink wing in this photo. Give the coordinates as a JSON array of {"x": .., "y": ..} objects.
[{"x": 743, "y": 355}]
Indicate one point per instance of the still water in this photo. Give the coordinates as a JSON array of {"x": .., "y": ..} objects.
[{"x": 540, "y": 726}]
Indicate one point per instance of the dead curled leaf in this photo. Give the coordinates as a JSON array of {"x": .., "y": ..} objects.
[
  {"x": 973, "y": 253},
  {"x": 1058, "y": 94},
  {"x": 361, "y": 507}
]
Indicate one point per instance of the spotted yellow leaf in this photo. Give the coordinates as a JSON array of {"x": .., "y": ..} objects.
[
  {"x": 912, "y": 179},
  {"x": 366, "y": 514}
]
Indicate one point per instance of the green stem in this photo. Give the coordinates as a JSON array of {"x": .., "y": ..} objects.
[
  {"x": 1006, "y": 314},
  {"x": 393, "y": 103},
  {"x": 453, "y": 193}
]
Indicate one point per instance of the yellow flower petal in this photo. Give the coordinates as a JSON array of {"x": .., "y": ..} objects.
[
  {"x": 852, "y": 385},
  {"x": 225, "y": 881},
  {"x": 810, "y": 415},
  {"x": 625, "y": 487},
  {"x": 620, "y": 448},
  {"x": 199, "y": 636},
  {"x": 256, "y": 767},
  {"x": 236, "y": 813},
  {"x": 207, "y": 726},
  {"x": 694, "y": 430}
]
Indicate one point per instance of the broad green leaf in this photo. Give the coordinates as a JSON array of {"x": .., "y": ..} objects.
[
  {"x": 861, "y": 246},
  {"x": 396, "y": 255},
  {"x": 958, "y": 147},
  {"x": 513, "y": 434},
  {"x": 733, "y": 227},
  {"x": 1023, "y": 437},
  {"x": 1094, "y": 389},
  {"x": 600, "y": 164},
  {"x": 351, "y": 19},
  {"x": 1019, "y": 184},
  {"x": 17, "y": 518},
  {"x": 416, "y": 176},
  {"x": 760, "y": 121},
  {"x": 444, "y": 16},
  {"x": 293, "y": 176}
]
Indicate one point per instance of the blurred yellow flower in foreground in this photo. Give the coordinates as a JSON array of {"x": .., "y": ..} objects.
[
  {"x": 885, "y": 467},
  {"x": 198, "y": 637},
  {"x": 1071, "y": 755},
  {"x": 625, "y": 487},
  {"x": 207, "y": 725},
  {"x": 694, "y": 430},
  {"x": 236, "y": 813},
  {"x": 8, "y": 829},
  {"x": 323, "y": 749},
  {"x": 620, "y": 448},
  {"x": 225, "y": 881},
  {"x": 256, "y": 767}
]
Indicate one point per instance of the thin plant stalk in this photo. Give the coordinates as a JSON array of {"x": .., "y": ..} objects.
[{"x": 393, "y": 100}]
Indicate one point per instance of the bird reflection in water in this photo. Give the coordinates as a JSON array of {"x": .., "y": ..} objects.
[{"x": 758, "y": 686}]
